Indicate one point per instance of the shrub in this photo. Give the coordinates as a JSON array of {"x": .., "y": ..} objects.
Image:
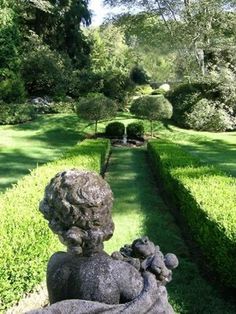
[
  {"x": 206, "y": 197},
  {"x": 217, "y": 92},
  {"x": 135, "y": 130},
  {"x": 96, "y": 107},
  {"x": 183, "y": 97},
  {"x": 207, "y": 115},
  {"x": 115, "y": 129},
  {"x": 152, "y": 108},
  {"x": 138, "y": 75},
  {"x": 57, "y": 107},
  {"x": 83, "y": 82},
  {"x": 16, "y": 113},
  {"x": 45, "y": 71},
  {"x": 116, "y": 84},
  {"x": 26, "y": 242},
  {"x": 12, "y": 89}
]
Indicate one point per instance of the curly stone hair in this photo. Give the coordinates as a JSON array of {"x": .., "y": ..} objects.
[{"x": 78, "y": 205}]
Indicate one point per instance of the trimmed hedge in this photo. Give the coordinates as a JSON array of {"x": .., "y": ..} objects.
[
  {"x": 207, "y": 199},
  {"x": 135, "y": 130},
  {"x": 115, "y": 129},
  {"x": 26, "y": 242}
]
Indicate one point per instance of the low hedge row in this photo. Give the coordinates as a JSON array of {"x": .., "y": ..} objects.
[
  {"x": 25, "y": 239},
  {"x": 207, "y": 199}
]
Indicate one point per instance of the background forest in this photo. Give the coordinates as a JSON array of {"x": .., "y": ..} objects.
[{"x": 47, "y": 50}]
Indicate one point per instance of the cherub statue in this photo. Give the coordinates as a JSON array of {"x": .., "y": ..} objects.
[
  {"x": 85, "y": 279},
  {"x": 145, "y": 256}
]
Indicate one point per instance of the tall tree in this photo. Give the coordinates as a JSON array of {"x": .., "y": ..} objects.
[
  {"x": 58, "y": 23},
  {"x": 196, "y": 25}
]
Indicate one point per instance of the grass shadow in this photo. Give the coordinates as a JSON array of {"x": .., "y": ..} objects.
[{"x": 139, "y": 210}]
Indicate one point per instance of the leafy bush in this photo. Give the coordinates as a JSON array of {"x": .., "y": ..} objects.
[
  {"x": 116, "y": 84},
  {"x": 16, "y": 113},
  {"x": 217, "y": 92},
  {"x": 115, "y": 129},
  {"x": 12, "y": 89},
  {"x": 206, "y": 197},
  {"x": 57, "y": 107},
  {"x": 26, "y": 242},
  {"x": 183, "y": 97},
  {"x": 83, "y": 82},
  {"x": 44, "y": 71},
  {"x": 224, "y": 87},
  {"x": 207, "y": 115},
  {"x": 135, "y": 130},
  {"x": 95, "y": 107}
]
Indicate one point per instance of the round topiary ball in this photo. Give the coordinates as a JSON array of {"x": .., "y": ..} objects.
[
  {"x": 135, "y": 130},
  {"x": 115, "y": 130}
]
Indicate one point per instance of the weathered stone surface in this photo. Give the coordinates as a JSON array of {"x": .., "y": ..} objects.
[
  {"x": 85, "y": 279},
  {"x": 78, "y": 205},
  {"x": 152, "y": 300}
]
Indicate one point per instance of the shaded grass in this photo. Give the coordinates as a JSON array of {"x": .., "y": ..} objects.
[
  {"x": 215, "y": 148},
  {"x": 139, "y": 210},
  {"x": 24, "y": 146}
]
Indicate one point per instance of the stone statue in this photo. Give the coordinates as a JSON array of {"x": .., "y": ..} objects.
[{"x": 85, "y": 279}]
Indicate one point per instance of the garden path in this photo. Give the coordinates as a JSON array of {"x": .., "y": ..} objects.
[{"x": 139, "y": 210}]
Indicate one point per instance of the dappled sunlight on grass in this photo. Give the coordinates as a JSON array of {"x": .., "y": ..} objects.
[
  {"x": 139, "y": 210},
  {"x": 24, "y": 146}
]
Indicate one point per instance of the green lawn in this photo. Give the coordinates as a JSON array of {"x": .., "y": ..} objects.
[
  {"x": 215, "y": 148},
  {"x": 24, "y": 146},
  {"x": 139, "y": 210}
]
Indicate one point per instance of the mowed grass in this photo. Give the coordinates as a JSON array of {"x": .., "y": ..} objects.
[
  {"x": 24, "y": 146},
  {"x": 211, "y": 147},
  {"x": 216, "y": 148},
  {"x": 139, "y": 210}
]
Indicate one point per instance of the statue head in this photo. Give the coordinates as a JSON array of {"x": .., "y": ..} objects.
[{"x": 78, "y": 206}]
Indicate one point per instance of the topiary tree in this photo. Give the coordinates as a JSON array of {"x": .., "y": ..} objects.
[
  {"x": 153, "y": 108},
  {"x": 96, "y": 107},
  {"x": 115, "y": 129},
  {"x": 135, "y": 130}
]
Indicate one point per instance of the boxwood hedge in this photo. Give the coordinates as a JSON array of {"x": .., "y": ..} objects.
[
  {"x": 207, "y": 199},
  {"x": 25, "y": 239}
]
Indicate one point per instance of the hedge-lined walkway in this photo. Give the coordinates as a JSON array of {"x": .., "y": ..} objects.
[{"x": 139, "y": 210}]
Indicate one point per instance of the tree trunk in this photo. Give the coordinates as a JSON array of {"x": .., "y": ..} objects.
[
  {"x": 96, "y": 127},
  {"x": 200, "y": 56},
  {"x": 151, "y": 129}
]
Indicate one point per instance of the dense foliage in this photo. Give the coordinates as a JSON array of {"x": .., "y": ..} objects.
[
  {"x": 25, "y": 238},
  {"x": 16, "y": 113},
  {"x": 207, "y": 105},
  {"x": 206, "y": 197},
  {"x": 41, "y": 42}
]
